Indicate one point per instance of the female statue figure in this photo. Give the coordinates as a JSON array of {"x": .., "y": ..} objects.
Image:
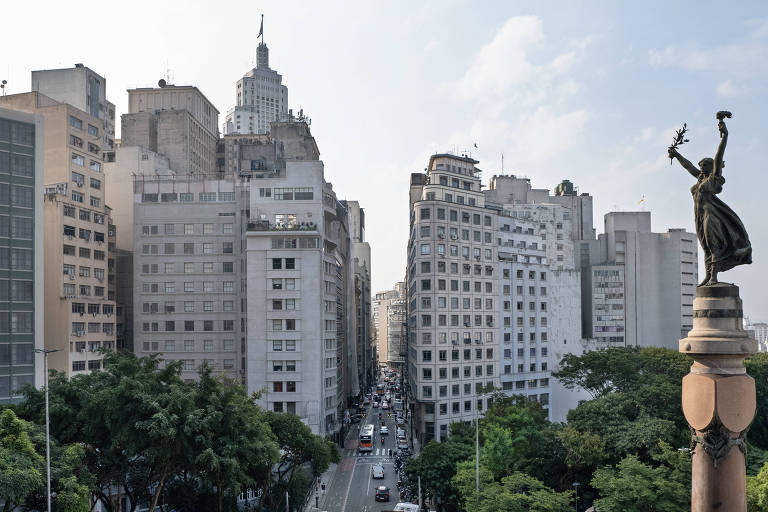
[{"x": 720, "y": 231}]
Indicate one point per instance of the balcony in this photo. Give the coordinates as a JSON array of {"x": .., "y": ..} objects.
[{"x": 265, "y": 225}]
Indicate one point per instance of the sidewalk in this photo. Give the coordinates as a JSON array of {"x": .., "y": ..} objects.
[{"x": 328, "y": 478}]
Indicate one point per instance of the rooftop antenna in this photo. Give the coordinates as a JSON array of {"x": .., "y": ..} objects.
[
  {"x": 502, "y": 163},
  {"x": 261, "y": 30},
  {"x": 2, "y": 85}
]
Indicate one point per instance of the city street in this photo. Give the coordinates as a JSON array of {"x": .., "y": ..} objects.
[{"x": 352, "y": 489}]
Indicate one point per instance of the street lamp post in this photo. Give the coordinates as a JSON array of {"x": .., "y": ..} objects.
[
  {"x": 576, "y": 485},
  {"x": 477, "y": 448},
  {"x": 45, "y": 353}
]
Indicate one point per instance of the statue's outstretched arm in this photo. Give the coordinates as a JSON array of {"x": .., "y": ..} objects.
[
  {"x": 687, "y": 165},
  {"x": 721, "y": 148}
]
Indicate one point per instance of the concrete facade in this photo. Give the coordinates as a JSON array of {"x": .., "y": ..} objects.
[
  {"x": 188, "y": 261},
  {"x": 80, "y": 305},
  {"x": 84, "y": 89},
  {"x": 126, "y": 163},
  {"x": 389, "y": 318},
  {"x": 301, "y": 282},
  {"x": 639, "y": 286},
  {"x": 21, "y": 250},
  {"x": 177, "y": 122}
]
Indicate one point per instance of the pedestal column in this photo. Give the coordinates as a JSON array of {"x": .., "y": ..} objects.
[{"x": 718, "y": 399}]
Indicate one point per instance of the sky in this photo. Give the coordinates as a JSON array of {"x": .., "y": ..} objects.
[{"x": 590, "y": 91}]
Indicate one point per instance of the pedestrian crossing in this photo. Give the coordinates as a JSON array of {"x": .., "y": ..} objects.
[{"x": 378, "y": 452}]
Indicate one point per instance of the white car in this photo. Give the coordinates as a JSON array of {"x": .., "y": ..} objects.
[
  {"x": 385, "y": 405},
  {"x": 383, "y": 430},
  {"x": 377, "y": 471},
  {"x": 400, "y": 432}
]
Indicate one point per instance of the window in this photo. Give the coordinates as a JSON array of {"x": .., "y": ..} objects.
[
  {"x": 189, "y": 229},
  {"x": 75, "y": 122}
]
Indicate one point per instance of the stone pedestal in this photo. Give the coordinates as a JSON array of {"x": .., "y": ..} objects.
[{"x": 718, "y": 399}]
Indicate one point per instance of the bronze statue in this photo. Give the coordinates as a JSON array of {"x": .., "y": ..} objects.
[{"x": 721, "y": 233}]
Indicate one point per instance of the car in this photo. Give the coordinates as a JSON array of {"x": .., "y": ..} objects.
[
  {"x": 385, "y": 405},
  {"x": 400, "y": 421},
  {"x": 355, "y": 418},
  {"x": 377, "y": 471},
  {"x": 384, "y": 430},
  {"x": 402, "y": 444},
  {"x": 382, "y": 493},
  {"x": 367, "y": 401},
  {"x": 375, "y": 404},
  {"x": 400, "y": 432}
]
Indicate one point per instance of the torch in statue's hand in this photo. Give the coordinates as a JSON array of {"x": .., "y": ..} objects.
[
  {"x": 678, "y": 140},
  {"x": 721, "y": 115}
]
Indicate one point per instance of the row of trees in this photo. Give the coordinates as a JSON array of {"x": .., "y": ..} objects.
[
  {"x": 137, "y": 430},
  {"x": 623, "y": 445}
]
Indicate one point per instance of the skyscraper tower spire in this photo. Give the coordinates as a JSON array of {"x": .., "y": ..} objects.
[
  {"x": 261, "y": 97},
  {"x": 262, "y": 52}
]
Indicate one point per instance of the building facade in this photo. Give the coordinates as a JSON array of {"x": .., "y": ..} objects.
[
  {"x": 639, "y": 286},
  {"x": 389, "y": 318},
  {"x": 452, "y": 282},
  {"x": 300, "y": 281},
  {"x": 175, "y": 121},
  {"x": 261, "y": 98},
  {"x": 21, "y": 252},
  {"x": 79, "y": 262},
  {"x": 188, "y": 263}
]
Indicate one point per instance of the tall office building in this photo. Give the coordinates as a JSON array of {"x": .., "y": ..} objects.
[
  {"x": 177, "y": 122},
  {"x": 21, "y": 252},
  {"x": 188, "y": 268},
  {"x": 79, "y": 264},
  {"x": 300, "y": 286},
  {"x": 360, "y": 260},
  {"x": 261, "y": 98},
  {"x": 452, "y": 280},
  {"x": 639, "y": 286},
  {"x": 389, "y": 317}
]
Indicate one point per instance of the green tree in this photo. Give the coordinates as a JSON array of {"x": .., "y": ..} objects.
[
  {"x": 633, "y": 486},
  {"x": 20, "y": 464},
  {"x": 298, "y": 446},
  {"x": 517, "y": 492},
  {"x": 757, "y": 491},
  {"x": 757, "y": 368},
  {"x": 23, "y": 471},
  {"x": 129, "y": 418},
  {"x": 600, "y": 372},
  {"x": 231, "y": 441},
  {"x": 436, "y": 465}
]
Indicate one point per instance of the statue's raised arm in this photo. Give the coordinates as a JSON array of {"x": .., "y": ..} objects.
[{"x": 723, "y": 141}]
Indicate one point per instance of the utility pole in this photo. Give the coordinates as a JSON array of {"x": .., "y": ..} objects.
[{"x": 45, "y": 353}]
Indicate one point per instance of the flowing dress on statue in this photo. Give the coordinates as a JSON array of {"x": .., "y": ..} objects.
[{"x": 720, "y": 231}]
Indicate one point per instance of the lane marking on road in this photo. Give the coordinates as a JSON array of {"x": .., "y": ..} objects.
[
  {"x": 370, "y": 476},
  {"x": 349, "y": 485}
]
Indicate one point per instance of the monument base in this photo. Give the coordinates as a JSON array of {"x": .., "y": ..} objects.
[{"x": 718, "y": 399}]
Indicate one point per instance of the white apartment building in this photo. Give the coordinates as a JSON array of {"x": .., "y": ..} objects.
[
  {"x": 261, "y": 98},
  {"x": 188, "y": 265},
  {"x": 301, "y": 336},
  {"x": 452, "y": 281}
]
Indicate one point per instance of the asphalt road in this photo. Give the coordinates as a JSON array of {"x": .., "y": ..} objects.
[{"x": 352, "y": 488}]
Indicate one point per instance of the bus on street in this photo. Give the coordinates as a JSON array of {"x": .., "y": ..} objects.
[{"x": 366, "y": 439}]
